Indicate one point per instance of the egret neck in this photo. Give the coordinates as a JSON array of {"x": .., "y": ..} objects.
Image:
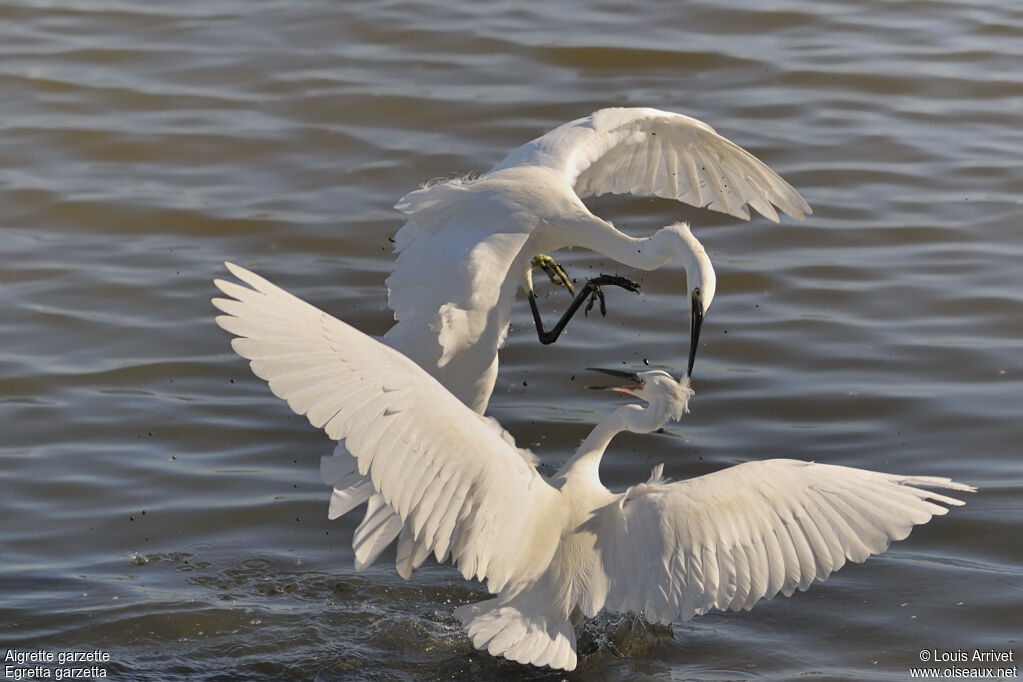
[{"x": 672, "y": 243}]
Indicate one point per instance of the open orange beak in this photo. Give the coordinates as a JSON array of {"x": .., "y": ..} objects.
[{"x": 636, "y": 382}]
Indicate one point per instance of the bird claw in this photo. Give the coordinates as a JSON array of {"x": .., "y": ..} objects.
[
  {"x": 591, "y": 290},
  {"x": 615, "y": 280},
  {"x": 597, "y": 294},
  {"x": 556, "y": 273}
]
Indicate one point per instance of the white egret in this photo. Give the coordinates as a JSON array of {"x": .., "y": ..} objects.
[
  {"x": 468, "y": 243},
  {"x": 547, "y": 547}
]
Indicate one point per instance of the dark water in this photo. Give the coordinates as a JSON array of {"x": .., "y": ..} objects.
[{"x": 160, "y": 506}]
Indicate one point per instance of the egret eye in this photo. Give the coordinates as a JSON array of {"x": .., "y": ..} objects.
[{"x": 697, "y": 294}]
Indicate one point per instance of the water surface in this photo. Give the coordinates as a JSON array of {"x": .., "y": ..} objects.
[{"x": 161, "y": 506}]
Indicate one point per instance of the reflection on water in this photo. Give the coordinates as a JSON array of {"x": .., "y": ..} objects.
[{"x": 161, "y": 506}]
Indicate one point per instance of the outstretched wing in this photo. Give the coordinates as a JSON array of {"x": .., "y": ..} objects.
[
  {"x": 733, "y": 537},
  {"x": 648, "y": 152},
  {"x": 447, "y": 472}
]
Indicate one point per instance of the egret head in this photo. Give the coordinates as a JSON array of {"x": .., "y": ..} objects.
[
  {"x": 701, "y": 282},
  {"x": 663, "y": 393}
]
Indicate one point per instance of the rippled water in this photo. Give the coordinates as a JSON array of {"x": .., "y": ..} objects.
[{"x": 161, "y": 506}]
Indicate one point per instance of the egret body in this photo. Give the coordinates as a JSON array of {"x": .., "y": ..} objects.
[
  {"x": 547, "y": 547},
  {"x": 468, "y": 244}
]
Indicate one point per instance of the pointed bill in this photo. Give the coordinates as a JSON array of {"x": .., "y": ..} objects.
[{"x": 634, "y": 379}]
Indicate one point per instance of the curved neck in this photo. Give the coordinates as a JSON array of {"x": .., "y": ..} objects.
[
  {"x": 671, "y": 243},
  {"x": 585, "y": 464}
]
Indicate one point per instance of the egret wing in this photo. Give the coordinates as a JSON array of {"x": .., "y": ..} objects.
[
  {"x": 648, "y": 152},
  {"x": 728, "y": 539},
  {"x": 448, "y": 473},
  {"x": 455, "y": 253}
]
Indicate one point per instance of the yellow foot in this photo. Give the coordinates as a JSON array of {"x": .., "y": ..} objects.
[{"x": 553, "y": 270}]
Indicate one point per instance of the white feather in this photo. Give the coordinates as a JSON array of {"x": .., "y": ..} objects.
[
  {"x": 648, "y": 152},
  {"x": 747, "y": 514},
  {"x": 467, "y": 242},
  {"x": 546, "y": 547}
]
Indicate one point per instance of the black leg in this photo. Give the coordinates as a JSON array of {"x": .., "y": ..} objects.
[{"x": 590, "y": 291}]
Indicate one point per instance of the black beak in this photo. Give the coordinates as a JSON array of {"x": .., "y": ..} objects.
[
  {"x": 636, "y": 382},
  {"x": 696, "y": 321}
]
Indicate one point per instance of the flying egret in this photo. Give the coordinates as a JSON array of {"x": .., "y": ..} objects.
[
  {"x": 547, "y": 547},
  {"x": 468, "y": 243}
]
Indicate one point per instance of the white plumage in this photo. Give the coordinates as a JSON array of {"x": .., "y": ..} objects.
[
  {"x": 468, "y": 243},
  {"x": 648, "y": 152},
  {"x": 546, "y": 547}
]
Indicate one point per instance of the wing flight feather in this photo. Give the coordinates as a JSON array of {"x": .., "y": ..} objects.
[
  {"x": 728, "y": 539},
  {"x": 648, "y": 152},
  {"x": 462, "y": 487}
]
